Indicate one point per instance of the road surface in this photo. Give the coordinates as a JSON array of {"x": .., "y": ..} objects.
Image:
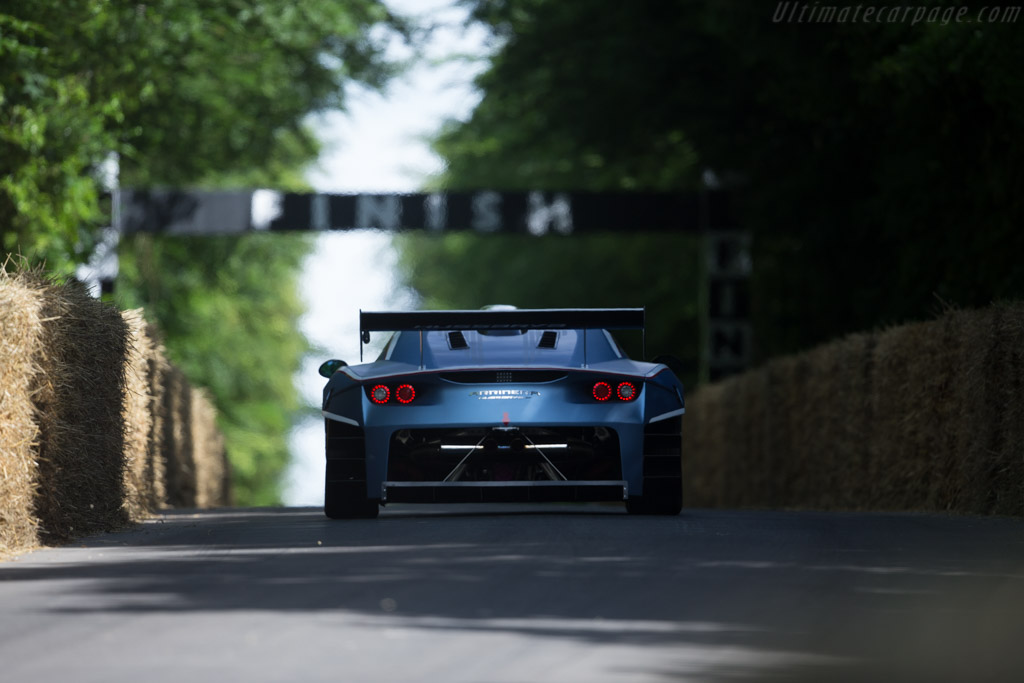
[{"x": 521, "y": 594}]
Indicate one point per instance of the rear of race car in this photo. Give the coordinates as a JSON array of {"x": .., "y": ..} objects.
[{"x": 607, "y": 431}]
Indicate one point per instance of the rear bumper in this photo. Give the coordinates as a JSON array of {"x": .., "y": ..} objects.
[
  {"x": 648, "y": 459},
  {"x": 504, "y": 492}
]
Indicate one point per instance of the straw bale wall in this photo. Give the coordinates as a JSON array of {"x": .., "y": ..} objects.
[
  {"x": 208, "y": 445},
  {"x": 927, "y": 416},
  {"x": 78, "y": 409},
  {"x": 21, "y": 328},
  {"x": 85, "y": 412}
]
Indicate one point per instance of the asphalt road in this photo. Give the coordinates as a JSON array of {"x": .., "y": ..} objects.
[{"x": 524, "y": 594}]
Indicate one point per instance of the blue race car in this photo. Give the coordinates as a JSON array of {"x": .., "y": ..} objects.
[{"x": 501, "y": 405}]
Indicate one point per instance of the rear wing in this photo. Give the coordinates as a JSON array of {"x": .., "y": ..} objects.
[{"x": 525, "y": 318}]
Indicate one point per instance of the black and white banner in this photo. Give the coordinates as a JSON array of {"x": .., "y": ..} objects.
[{"x": 534, "y": 213}]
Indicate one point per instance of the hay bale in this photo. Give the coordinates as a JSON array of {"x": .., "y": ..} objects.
[
  {"x": 141, "y": 495},
  {"x": 79, "y": 408},
  {"x": 703, "y": 437},
  {"x": 845, "y": 373},
  {"x": 176, "y": 439},
  {"x": 157, "y": 366},
  {"x": 789, "y": 438},
  {"x": 909, "y": 367},
  {"x": 728, "y": 465},
  {"x": 97, "y": 428},
  {"x": 810, "y": 423},
  {"x": 925, "y": 416},
  {"x": 1010, "y": 395},
  {"x": 749, "y": 452},
  {"x": 188, "y": 449},
  {"x": 992, "y": 397},
  {"x": 751, "y": 455},
  {"x": 21, "y": 329},
  {"x": 975, "y": 432},
  {"x": 208, "y": 452}
]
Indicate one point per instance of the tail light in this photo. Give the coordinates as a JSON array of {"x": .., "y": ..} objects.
[
  {"x": 380, "y": 394},
  {"x": 624, "y": 391},
  {"x": 405, "y": 393}
]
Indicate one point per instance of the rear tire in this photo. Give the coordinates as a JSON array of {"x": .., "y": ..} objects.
[
  {"x": 662, "y": 471},
  {"x": 342, "y": 500},
  {"x": 345, "y": 474}
]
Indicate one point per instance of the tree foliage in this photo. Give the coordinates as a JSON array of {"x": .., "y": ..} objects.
[
  {"x": 183, "y": 91},
  {"x": 877, "y": 163},
  {"x": 53, "y": 133},
  {"x": 579, "y": 96}
]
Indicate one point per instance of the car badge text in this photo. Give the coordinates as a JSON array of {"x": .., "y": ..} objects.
[{"x": 490, "y": 394}]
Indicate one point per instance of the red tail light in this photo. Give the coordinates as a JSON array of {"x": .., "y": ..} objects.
[
  {"x": 602, "y": 391},
  {"x": 623, "y": 391},
  {"x": 405, "y": 393},
  {"x": 380, "y": 394}
]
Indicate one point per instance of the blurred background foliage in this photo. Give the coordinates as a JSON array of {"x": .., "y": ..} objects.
[
  {"x": 878, "y": 165},
  {"x": 184, "y": 93},
  {"x": 180, "y": 92}
]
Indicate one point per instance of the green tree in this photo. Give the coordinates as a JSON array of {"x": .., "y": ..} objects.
[
  {"x": 579, "y": 96},
  {"x": 875, "y": 162},
  {"x": 183, "y": 91},
  {"x": 53, "y": 133}
]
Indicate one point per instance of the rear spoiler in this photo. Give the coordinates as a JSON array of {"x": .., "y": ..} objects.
[{"x": 525, "y": 318}]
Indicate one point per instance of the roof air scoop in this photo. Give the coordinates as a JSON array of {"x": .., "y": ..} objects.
[
  {"x": 456, "y": 340},
  {"x": 548, "y": 340}
]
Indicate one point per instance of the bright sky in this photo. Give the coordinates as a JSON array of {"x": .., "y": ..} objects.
[{"x": 378, "y": 145}]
